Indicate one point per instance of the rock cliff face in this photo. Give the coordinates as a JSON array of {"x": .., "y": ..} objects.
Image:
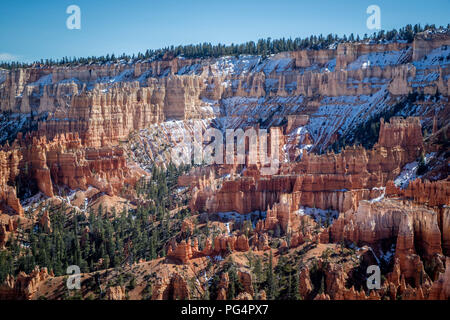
[
  {"x": 9, "y": 169},
  {"x": 329, "y": 181},
  {"x": 174, "y": 288},
  {"x": 63, "y": 161},
  {"x": 436, "y": 193},
  {"x": 355, "y": 183},
  {"x": 415, "y": 228},
  {"x": 415, "y": 231},
  {"x": 115, "y": 293},
  {"x": 441, "y": 288},
  {"x": 185, "y": 251},
  {"x": 24, "y": 286},
  {"x": 104, "y": 103}
]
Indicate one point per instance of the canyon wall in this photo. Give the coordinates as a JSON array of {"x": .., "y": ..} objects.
[
  {"x": 62, "y": 161},
  {"x": 104, "y": 103},
  {"x": 328, "y": 181}
]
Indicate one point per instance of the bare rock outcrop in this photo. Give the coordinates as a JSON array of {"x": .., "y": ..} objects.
[
  {"x": 173, "y": 288},
  {"x": 115, "y": 293},
  {"x": 24, "y": 286}
]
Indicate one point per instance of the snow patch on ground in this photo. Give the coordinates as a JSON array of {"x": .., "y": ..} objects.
[
  {"x": 374, "y": 255},
  {"x": 319, "y": 215},
  {"x": 298, "y": 135},
  {"x": 275, "y": 64},
  {"x": 409, "y": 172},
  {"x": 386, "y": 257},
  {"x": 254, "y": 217},
  {"x": 381, "y": 197},
  {"x": 329, "y": 67},
  {"x": 437, "y": 57},
  {"x": 236, "y": 65},
  {"x": 380, "y": 59},
  {"x": 227, "y": 225},
  {"x": 43, "y": 81},
  {"x": 210, "y": 107},
  {"x": 242, "y": 65},
  {"x": 125, "y": 75},
  {"x": 344, "y": 113},
  {"x": 32, "y": 201},
  {"x": 217, "y": 258},
  {"x": 10, "y": 125},
  {"x": 155, "y": 143}
]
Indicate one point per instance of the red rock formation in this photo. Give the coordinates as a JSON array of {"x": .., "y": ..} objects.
[
  {"x": 187, "y": 250},
  {"x": 7, "y": 228},
  {"x": 223, "y": 286},
  {"x": 336, "y": 181},
  {"x": 115, "y": 293},
  {"x": 62, "y": 161},
  {"x": 434, "y": 193},
  {"x": 279, "y": 214},
  {"x": 441, "y": 287},
  {"x": 242, "y": 243},
  {"x": 9, "y": 169},
  {"x": 261, "y": 242},
  {"x": 182, "y": 251},
  {"x": 8, "y": 198},
  {"x": 245, "y": 277},
  {"x": 415, "y": 228},
  {"x": 179, "y": 288},
  {"x": 445, "y": 227},
  {"x": 24, "y": 286},
  {"x": 3, "y": 236},
  {"x": 404, "y": 133},
  {"x": 373, "y": 222},
  {"x": 224, "y": 243},
  {"x": 244, "y": 296},
  {"x": 262, "y": 295},
  {"x": 410, "y": 264},
  {"x": 304, "y": 284},
  {"x": 45, "y": 222},
  {"x": 187, "y": 226},
  {"x": 322, "y": 296},
  {"x": 175, "y": 288}
]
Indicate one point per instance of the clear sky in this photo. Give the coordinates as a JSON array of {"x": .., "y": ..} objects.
[{"x": 31, "y": 30}]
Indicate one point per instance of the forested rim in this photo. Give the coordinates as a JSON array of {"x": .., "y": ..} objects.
[{"x": 262, "y": 47}]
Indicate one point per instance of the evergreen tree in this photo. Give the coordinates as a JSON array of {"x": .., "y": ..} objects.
[
  {"x": 422, "y": 167},
  {"x": 295, "y": 294},
  {"x": 270, "y": 279},
  {"x": 257, "y": 271}
]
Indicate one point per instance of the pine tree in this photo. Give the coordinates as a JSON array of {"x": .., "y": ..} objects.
[
  {"x": 234, "y": 286},
  {"x": 206, "y": 294},
  {"x": 322, "y": 285},
  {"x": 422, "y": 167},
  {"x": 257, "y": 270},
  {"x": 295, "y": 287},
  {"x": 270, "y": 279}
]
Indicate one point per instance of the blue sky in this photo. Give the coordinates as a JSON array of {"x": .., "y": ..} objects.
[{"x": 31, "y": 30}]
